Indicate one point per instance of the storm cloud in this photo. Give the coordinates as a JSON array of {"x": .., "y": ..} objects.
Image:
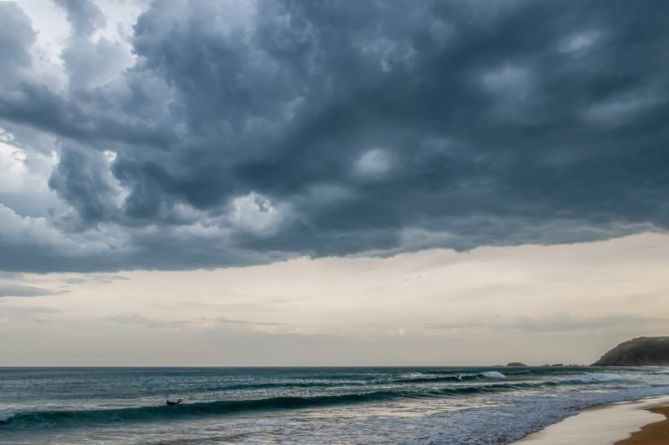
[{"x": 232, "y": 133}]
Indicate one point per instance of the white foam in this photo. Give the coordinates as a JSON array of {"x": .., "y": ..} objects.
[
  {"x": 514, "y": 416},
  {"x": 413, "y": 375},
  {"x": 6, "y": 415},
  {"x": 602, "y": 426},
  {"x": 493, "y": 375}
]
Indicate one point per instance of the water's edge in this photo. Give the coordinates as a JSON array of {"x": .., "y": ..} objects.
[{"x": 599, "y": 424}]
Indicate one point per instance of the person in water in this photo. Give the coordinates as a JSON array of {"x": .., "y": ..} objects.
[{"x": 174, "y": 402}]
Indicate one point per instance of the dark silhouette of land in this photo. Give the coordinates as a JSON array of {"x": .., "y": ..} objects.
[{"x": 641, "y": 351}]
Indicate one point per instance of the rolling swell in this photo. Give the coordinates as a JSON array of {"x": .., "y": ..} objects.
[
  {"x": 284, "y": 385},
  {"x": 444, "y": 378},
  {"x": 74, "y": 418},
  {"x": 67, "y": 418},
  {"x": 147, "y": 413}
]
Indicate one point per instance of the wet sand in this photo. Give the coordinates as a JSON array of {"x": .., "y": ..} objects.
[
  {"x": 652, "y": 434},
  {"x": 607, "y": 425}
]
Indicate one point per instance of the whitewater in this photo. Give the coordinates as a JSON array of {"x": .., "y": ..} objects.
[{"x": 493, "y": 405}]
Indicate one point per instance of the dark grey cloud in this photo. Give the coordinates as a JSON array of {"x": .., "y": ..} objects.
[
  {"x": 245, "y": 134},
  {"x": 89, "y": 62},
  {"x": 16, "y": 36},
  {"x": 84, "y": 15}
]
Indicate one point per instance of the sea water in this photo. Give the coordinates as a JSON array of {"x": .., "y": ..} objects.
[{"x": 451, "y": 406}]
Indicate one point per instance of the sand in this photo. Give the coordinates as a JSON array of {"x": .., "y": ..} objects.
[
  {"x": 607, "y": 425},
  {"x": 652, "y": 434}
]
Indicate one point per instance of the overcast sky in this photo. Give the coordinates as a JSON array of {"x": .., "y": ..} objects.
[{"x": 372, "y": 182}]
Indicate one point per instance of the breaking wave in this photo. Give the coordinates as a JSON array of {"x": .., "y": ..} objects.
[{"x": 71, "y": 418}]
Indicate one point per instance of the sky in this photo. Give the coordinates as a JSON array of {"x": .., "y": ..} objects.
[{"x": 233, "y": 182}]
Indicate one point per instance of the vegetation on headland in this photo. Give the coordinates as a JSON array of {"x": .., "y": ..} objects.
[{"x": 638, "y": 352}]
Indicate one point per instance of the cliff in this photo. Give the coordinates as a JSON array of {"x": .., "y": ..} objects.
[{"x": 638, "y": 352}]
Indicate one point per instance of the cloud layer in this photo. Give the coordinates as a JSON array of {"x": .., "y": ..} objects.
[{"x": 224, "y": 133}]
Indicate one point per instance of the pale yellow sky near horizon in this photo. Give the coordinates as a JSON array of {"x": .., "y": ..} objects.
[{"x": 537, "y": 304}]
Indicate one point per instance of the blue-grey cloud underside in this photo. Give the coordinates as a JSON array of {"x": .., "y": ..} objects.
[
  {"x": 332, "y": 128},
  {"x": 19, "y": 290}
]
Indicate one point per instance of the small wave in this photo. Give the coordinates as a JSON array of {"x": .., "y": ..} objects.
[
  {"x": 284, "y": 385},
  {"x": 4, "y": 417},
  {"x": 595, "y": 377},
  {"x": 413, "y": 375},
  {"x": 441, "y": 378},
  {"x": 493, "y": 375},
  {"x": 450, "y": 377}
]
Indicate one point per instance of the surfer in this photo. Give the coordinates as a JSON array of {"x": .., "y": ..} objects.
[{"x": 174, "y": 402}]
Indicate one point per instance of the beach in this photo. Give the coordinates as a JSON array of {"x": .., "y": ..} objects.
[
  {"x": 641, "y": 422},
  {"x": 656, "y": 433}
]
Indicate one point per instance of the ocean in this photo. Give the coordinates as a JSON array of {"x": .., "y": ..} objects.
[{"x": 494, "y": 405}]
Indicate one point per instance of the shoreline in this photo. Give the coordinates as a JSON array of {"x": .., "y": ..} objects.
[
  {"x": 655, "y": 433},
  {"x": 613, "y": 424}
]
